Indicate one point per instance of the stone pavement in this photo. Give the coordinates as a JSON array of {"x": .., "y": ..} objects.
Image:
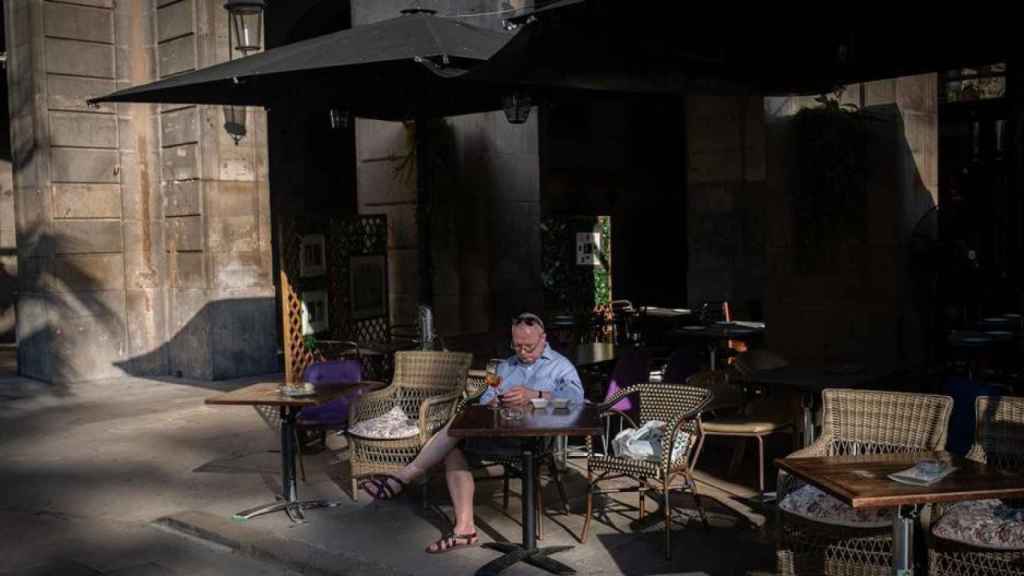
[{"x": 137, "y": 476}]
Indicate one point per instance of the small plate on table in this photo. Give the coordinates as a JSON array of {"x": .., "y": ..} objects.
[{"x": 298, "y": 392}]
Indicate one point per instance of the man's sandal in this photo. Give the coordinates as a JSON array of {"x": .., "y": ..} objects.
[
  {"x": 451, "y": 541},
  {"x": 380, "y": 486}
]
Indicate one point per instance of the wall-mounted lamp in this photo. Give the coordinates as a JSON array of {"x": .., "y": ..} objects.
[
  {"x": 234, "y": 122},
  {"x": 517, "y": 107},
  {"x": 245, "y": 35},
  {"x": 245, "y": 31}
]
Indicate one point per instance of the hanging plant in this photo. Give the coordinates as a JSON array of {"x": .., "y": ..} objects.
[{"x": 829, "y": 199}]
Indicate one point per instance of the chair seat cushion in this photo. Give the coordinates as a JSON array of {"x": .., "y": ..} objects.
[
  {"x": 393, "y": 425},
  {"x": 742, "y": 425},
  {"x": 983, "y": 523},
  {"x": 813, "y": 504}
]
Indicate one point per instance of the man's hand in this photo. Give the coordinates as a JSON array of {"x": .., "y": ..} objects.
[{"x": 517, "y": 396}]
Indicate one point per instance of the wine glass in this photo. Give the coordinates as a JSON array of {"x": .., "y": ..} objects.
[{"x": 491, "y": 377}]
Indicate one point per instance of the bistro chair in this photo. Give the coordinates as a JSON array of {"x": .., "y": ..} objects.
[
  {"x": 679, "y": 407},
  {"x": 737, "y": 414},
  {"x": 985, "y": 536},
  {"x": 818, "y": 533}
]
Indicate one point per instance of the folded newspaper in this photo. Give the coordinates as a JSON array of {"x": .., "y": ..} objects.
[{"x": 923, "y": 473}]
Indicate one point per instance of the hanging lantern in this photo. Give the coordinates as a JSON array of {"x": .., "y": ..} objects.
[
  {"x": 517, "y": 107},
  {"x": 245, "y": 31},
  {"x": 234, "y": 122}
]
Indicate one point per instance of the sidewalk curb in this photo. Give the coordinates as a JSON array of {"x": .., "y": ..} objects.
[{"x": 264, "y": 546}]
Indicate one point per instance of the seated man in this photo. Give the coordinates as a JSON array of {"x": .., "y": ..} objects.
[{"x": 535, "y": 371}]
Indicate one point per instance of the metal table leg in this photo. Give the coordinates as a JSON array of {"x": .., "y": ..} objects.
[
  {"x": 807, "y": 403},
  {"x": 288, "y": 501},
  {"x": 527, "y": 551},
  {"x": 903, "y": 540}
]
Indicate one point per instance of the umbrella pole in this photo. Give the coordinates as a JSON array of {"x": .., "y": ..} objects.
[{"x": 424, "y": 177}]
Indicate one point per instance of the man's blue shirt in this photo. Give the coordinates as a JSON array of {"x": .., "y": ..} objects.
[{"x": 552, "y": 372}]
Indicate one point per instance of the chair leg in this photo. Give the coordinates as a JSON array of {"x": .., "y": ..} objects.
[
  {"x": 668, "y": 520},
  {"x": 557, "y": 478},
  {"x": 590, "y": 506},
  {"x": 539, "y": 491},
  {"x": 696, "y": 498},
  {"x": 697, "y": 451},
  {"x": 504, "y": 487},
  {"x": 760, "y": 464},
  {"x": 738, "y": 451},
  {"x": 355, "y": 490},
  {"x": 642, "y": 500}
]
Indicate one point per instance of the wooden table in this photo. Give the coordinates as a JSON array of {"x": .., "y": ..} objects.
[
  {"x": 485, "y": 422},
  {"x": 270, "y": 394},
  {"x": 862, "y": 482}
]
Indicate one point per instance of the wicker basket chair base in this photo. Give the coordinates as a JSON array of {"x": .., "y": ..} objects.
[
  {"x": 816, "y": 548},
  {"x": 952, "y": 559}
]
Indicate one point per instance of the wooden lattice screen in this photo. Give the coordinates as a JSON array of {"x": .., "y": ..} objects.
[{"x": 361, "y": 240}]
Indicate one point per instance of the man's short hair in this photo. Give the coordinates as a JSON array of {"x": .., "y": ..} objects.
[{"x": 528, "y": 318}]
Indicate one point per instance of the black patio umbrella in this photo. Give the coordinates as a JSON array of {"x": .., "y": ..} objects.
[
  {"x": 396, "y": 69},
  {"x": 403, "y": 68},
  {"x": 669, "y": 48}
]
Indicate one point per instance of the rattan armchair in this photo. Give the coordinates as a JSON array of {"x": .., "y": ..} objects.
[
  {"x": 857, "y": 422},
  {"x": 679, "y": 406},
  {"x": 427, "y": 386},
  {"x": 999, "y": 441}
]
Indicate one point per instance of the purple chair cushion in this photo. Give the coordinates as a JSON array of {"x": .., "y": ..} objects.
[
  {"x": 333, "y": 414},
  {"x": 632, "y": 367}
]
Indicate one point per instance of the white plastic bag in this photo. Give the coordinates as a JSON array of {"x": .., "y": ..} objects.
[{"x": 644, "y": 443}]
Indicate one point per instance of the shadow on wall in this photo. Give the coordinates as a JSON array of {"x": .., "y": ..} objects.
[
  {"x": 77, "y": 323},
  {"x": 225, "y": 339},
  {"x": 65, "y": 321},
  {"x": 846, "y": 282}
]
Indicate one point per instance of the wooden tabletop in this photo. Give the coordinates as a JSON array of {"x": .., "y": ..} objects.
[
  {"x": 485, "y": 422},
  {"x": 270, "y": 394},
  {"x": 863, "y": 482}
]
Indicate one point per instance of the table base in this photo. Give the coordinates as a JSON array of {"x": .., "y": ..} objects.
[
  {"x": 515, "y": 553},
  {"x": 293, "y": 509}
]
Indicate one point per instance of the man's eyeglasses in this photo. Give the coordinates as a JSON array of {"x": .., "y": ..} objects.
[{"x": 525, "y": 348}]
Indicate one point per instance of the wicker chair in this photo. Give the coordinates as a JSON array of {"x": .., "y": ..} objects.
[
  {"x": 999, "y": 441},
  {"x": 679, "y": 406},
  {"x": 428, "y": 384},
  {"x": 857, "y": 422}
]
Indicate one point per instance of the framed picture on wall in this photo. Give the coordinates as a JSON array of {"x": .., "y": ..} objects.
[
  {"x": 312, "y": 256},
  {"x": 314, "y": 312},
  {"x": 368, "y": 286}
]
